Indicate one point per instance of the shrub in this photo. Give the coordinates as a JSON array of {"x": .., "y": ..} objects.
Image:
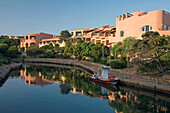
[
  {"x": 124, "y": 64},
  {"x": 86, "y": 75},
  {"x": 22, "y": 49},
  {"x": 43, "y": 48},
  {"x": 23, "y": 57},
  {"x": 5, "y": 62},
  {"x": 141, "y": 69},
  {"x": 12, "y": 51},
  {"x": 33, "y": 50},
  {"x": 110, "y": 57},
  {"x": 48, "y": 52},
  {"x": 51, "y": 46},
  {"x": 118, "y": 65},
  {"x": 102, "y": 61},
  {"x": 3, "y": 48},
  {"x": 115, "y": 64}
]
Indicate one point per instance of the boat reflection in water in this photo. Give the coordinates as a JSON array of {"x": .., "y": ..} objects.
[{"x": 122, "y": 100}]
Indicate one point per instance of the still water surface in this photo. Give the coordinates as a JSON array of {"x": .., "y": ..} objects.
[{"x": 39, "y": 89}]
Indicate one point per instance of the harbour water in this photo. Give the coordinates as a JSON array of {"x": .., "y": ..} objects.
[{"x": 41, "y": 89}]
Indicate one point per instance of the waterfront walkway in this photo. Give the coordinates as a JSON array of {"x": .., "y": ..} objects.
[
  {"x": 131, "y": 80},
  {"x": 125, "y": 78}
]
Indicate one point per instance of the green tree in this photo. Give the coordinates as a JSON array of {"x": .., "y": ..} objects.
[
  {"x": 50, "y": 46},
  {"x": 65, "y": 35},
  {"x": 117, "y": 49},
  {"x": 10, "y": 42},
  {"x": 22, "y": 49},
  {"x": 12, "y": 51},
  {"x": 3, "y": 48},
  {"x": 150, "y": 34},
  {"x": 33, "y": 50},
  {"x": 78, "y": 50},
  {"x": 97, "y": 51},
  {"x": 65, "y": 89},
  {"x": 57, "y": 48},
  {"x": 151, "y": 51}
]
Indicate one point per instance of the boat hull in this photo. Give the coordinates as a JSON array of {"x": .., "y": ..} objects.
[
  {"x": 110, "y": 87},
  {"x": 103, "y": 81}
]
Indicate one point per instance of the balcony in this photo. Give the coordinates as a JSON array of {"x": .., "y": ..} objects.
[
  {"x": 87, "y": 36},
  {"x": 78, "y": 37}
]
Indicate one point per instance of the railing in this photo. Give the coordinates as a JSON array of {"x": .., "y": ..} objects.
[{"x": 87, "y": 36}]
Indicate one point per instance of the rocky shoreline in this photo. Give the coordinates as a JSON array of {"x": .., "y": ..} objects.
[{"x": 5, "y": 69}]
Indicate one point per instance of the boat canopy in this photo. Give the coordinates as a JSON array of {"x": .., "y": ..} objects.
[{"x": 105, "y": 67}]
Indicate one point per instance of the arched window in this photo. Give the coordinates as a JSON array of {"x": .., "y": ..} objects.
[
  {"x": 32, "y": 37},
  {"x": 121, "y": 33},
  {"x": 146, "y": 28}
]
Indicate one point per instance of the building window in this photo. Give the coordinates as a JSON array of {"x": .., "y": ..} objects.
[
  {"x": 78, "y": 34},
  {"x": 121, "y": 33},
  {"x": 26, "y": 37},
  {"x": 166, "y": 27},
  {"x": 126, "y": 31},
  {"x": 146, "y": 28},
  {"x": 31, "y": 37},
  {"x": 71, "y": 33}
]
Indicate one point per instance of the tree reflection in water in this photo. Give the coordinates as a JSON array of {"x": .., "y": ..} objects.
[{"x": 76, "y": 81}]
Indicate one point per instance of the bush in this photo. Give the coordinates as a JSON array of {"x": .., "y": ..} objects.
[
  {"x": 3, "y": 48},
  {"x": 47, "y": 56},
  {"x": 102, "y": 61},
  {"x": 39, "y": 51},
  {"x": 65, "y": 56},
  {"x": 118, "y": 65},
  {"x": 141, "y": 69},
  {"x": 48, "y": 52},
  {"x": 33, "y": 50},
  {"x": 22, "y": 49},
  {"x": 12, "y": 51},
  {"x": 5, "y": 62},
  {"x": 124, "y": 64},
  {"x": 115, "y": 64},
  {"x": 43, "y": 48},
  {"x": 110, "y": 57}
]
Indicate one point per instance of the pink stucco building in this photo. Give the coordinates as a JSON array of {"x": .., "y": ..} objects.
[
  {"x": 101, "y": 34},
  {"x": 40, "y": 39},
  {"x": 135, "y": 24},
  {"x": 34, "y": 39},
  {"x": 129, "y": 24}
]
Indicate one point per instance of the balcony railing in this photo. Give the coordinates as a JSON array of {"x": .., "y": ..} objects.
[{"x": 87, "y": 36}]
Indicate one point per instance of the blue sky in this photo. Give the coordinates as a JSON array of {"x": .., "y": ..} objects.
[{"x": 20, "y": 17}]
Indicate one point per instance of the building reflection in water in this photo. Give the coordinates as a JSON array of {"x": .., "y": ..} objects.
[
  {"x": 37, "y": 78},
  {"x": 75, "y": 82}
]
